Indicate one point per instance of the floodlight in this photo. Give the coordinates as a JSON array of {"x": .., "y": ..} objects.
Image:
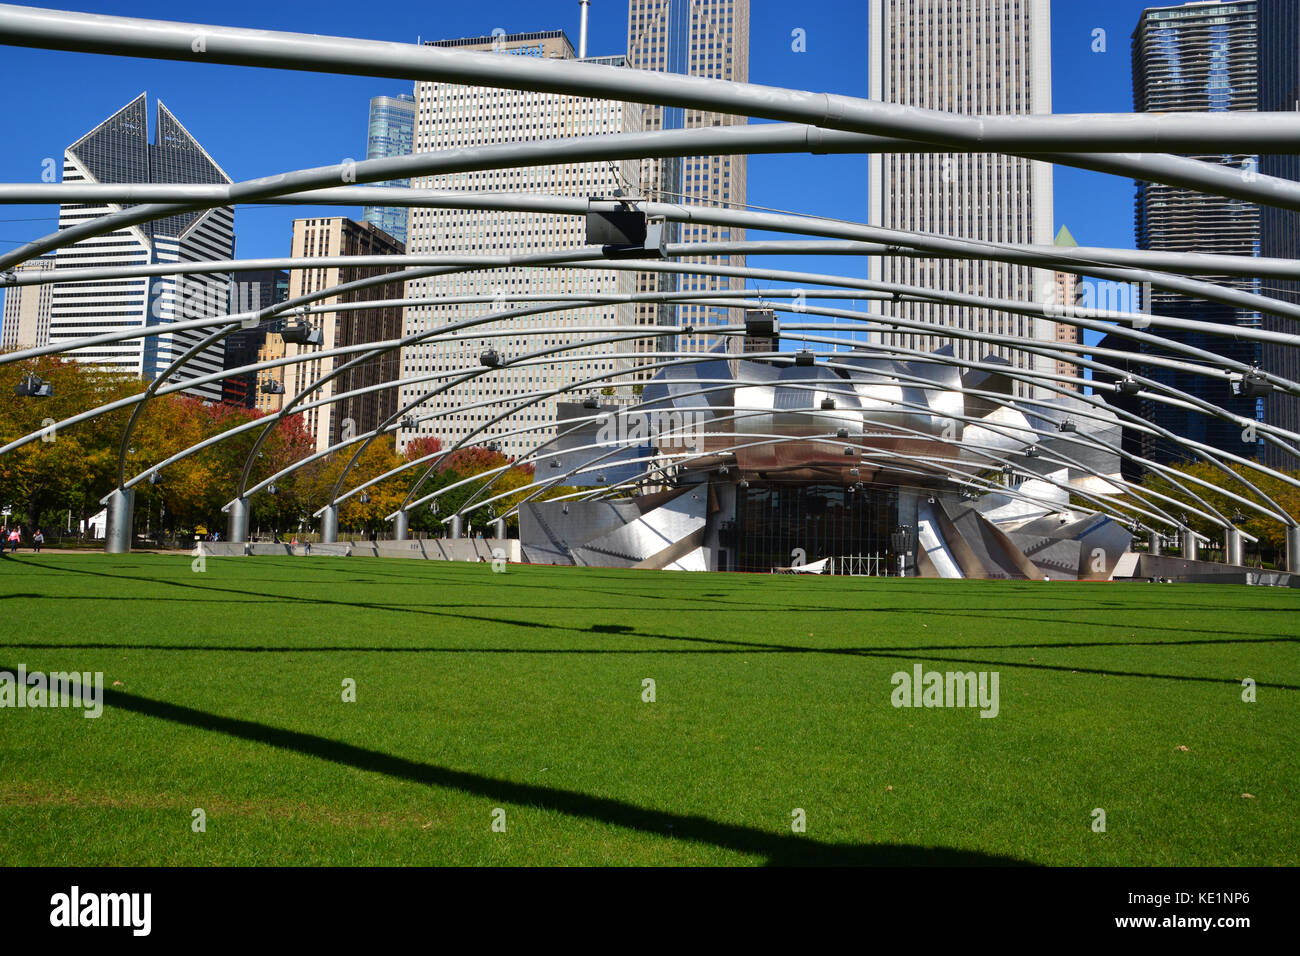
[
  {"x": 303, "y": 333},
  {"x": 33, "y": 386}
]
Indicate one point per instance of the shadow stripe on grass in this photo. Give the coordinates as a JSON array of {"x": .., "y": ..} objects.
[{"x": 776, "y": 849}]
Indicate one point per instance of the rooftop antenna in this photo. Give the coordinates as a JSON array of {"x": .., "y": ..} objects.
[{"x": 582, "y": 30}]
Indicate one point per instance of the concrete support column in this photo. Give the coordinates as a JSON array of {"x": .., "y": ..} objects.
[
  {"x": 1189, "y": 543},
  {"x": 237, "y": 520},
  {"x": 1234, "y": 548},
  {"x": 329, "y": 525},
  {"x": 1293, "y": 548},
  {"x": 499, "y": 529},
  {"x": 457, "y": 525},
  {"x": 1153, "y": 542},
  {"x": 401, "y": 526},
  {"x": 118, "y": 527}
]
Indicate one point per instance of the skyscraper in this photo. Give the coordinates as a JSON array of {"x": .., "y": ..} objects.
[
  {"x": 1198, "y": 57},
  {"x": 330, "y": 424},
  {"x": 251, "y": 292},
  {"x": 452, "y": 116},
  {"x": 1279, "y": 91},
  {"x": 391, "y": 132},
  {"x": 708, "y": 38},
  {"x": 1067, "y": 293},
  {"x": 25, "y": 321},
  {"x": 118, "y": 150},
  {"x": 986, "y": 57}
]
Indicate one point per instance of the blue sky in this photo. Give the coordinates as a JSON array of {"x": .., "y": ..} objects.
[{"x": 256, "y": 122}]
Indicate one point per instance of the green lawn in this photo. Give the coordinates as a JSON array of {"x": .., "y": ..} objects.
[{"x": 523, "y": 691}]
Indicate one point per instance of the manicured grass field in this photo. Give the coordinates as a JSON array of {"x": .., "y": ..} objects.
[{"x": 523, "y": 691}]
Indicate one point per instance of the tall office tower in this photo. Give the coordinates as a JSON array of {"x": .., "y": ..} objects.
[
  {"x": 1198, "y": 57},
  {"x": 332, "y": 423},
  {"x": 391, "y": 132},
  {"x": 452, "y": 116},
  {"x": 251, "y": 292},
  {"x": 707, "y": 38},
  {"x": 118, "y": 151},
  {"x": 984, "y": 57},
  {"x": 1067, "y": 292},
  {"x": 25, "y": 321},
  {"x": 1279, "y": 91}
]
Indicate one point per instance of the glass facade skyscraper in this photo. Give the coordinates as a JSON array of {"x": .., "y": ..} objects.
[
  {"x": 1279, "y": 91},
  {"x": 250, "y": 292},
  {"x": 391, "y": 133},
  {"x": 1198, "y": 57}
]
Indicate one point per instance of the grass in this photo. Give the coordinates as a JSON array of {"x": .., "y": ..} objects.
[{"x": 523, "y": 691}]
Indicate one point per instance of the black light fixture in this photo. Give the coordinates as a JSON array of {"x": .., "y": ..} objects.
[
  {"x": 364, "y": 498},
  {"x": 1252, "y": 385},
  {"x": 600, "y": 478},
  {"x": 271, "y": 386},
  {"x": 1128, "y": 386},
  {"x": 33, "y": 386},
  {"x": 743, "y": 483},
  {"x": 853, "y": 472},
  {"x": 828, "y": 404},
  {"x": 849, "y": 450},
  {"x": 272, "y": 489},
  {"x": 302, "y": 332},
  {"x": 153, "y": 477},
  {"x": 842, "y": 433},
  {"x": 1067, "y": 426},
  {"x": 555, "y": 463},
  {"x": 762, "y": 324},
  {"x": 1031, "y": 451},
  {"x": 901, "y": 539},
  {"x": 804, "y": 359},
  {"x": 408, "y": 422},
  {"x": 489, "y": 358},
  {"x": 590, "y": 402},
  {"x": 622, "y": 231},
  {"x": 724, "y": 470},
  {"x": 433, "y": 505},
  {"x": 565, "y": 509}
]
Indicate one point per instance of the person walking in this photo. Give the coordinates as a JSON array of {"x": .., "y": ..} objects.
[
  {"x": 15, "y": 537},
  {"x": 38, "y": 539}
]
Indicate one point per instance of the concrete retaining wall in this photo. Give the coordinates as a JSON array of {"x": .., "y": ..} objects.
[
  {"x": 437, "y": 549},
  {"x": 1185, "y": 570}
]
